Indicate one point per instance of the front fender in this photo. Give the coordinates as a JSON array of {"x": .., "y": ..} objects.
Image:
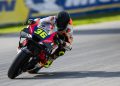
[{"x": 25, "y": 50}]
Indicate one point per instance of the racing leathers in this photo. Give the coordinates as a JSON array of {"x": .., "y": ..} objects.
[{"x": 66, "y": 38}]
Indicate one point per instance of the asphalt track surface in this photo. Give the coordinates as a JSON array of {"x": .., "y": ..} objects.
[{"x": 93, "y": 61}]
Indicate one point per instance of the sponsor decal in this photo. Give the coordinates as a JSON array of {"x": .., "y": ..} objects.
[
  {"x": 18, "y": 11},
  {"x": 13, "y": 11},
  {"x": 50, "y": 7}
]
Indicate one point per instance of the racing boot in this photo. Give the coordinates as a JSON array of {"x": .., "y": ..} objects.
[
  {"x": 52, "y": 58},
  {"x": 48, "y": 63}
]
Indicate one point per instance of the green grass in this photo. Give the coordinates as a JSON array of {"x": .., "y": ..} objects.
[
  {"x": 97, "y": 18},
  {"x": 89, "y": 19},
  {"x": 11, "y": 29}
]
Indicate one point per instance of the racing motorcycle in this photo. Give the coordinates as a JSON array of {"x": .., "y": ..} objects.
[{"x": 32, "y": 48}]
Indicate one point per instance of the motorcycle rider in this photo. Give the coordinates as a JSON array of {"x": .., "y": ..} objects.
[{"x": 63, "y": 23}]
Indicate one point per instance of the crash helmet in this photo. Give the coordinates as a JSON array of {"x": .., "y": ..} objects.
[{"x": 62, "y": 20}]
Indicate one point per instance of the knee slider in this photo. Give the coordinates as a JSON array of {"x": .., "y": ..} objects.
[{"x": 61, "y": 53}]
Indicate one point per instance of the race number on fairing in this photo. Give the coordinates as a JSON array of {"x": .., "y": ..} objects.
[{"x": 41, "y": 33}]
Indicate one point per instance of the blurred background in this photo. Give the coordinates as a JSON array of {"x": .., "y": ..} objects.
[
  {"x": 95, "y": 57},
  {"x": 14, "y": 13}
]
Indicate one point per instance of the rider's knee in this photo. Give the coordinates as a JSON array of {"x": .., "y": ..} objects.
[{"x": 61, "y": 53}]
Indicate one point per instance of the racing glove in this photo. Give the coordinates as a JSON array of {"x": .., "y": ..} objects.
[{"x": 68, "y": 46}]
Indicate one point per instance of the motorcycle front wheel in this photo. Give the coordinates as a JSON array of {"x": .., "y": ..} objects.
[{"x": 16, "y": 68}]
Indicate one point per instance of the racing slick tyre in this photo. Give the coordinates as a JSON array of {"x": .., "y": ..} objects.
[{"x": 18, "y": 64}]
